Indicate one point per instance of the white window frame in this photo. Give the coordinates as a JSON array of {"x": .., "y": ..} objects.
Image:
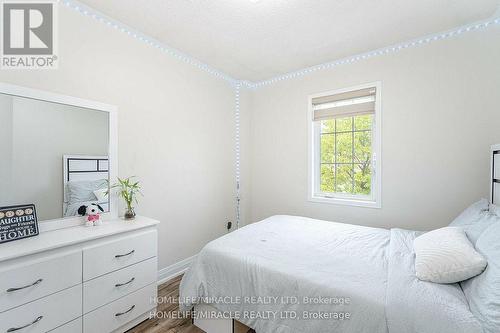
[{"x": 314, "y": 195}]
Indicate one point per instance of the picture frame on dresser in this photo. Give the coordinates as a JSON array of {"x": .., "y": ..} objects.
[
  {"x": 111, "y": 110},
  {"x": 18, "y": 222}
]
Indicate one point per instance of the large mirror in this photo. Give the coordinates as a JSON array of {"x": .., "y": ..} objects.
[{"x": 53, "y": 155}]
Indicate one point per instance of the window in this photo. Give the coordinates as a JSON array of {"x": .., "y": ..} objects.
[{"x": 345, "y": 143}]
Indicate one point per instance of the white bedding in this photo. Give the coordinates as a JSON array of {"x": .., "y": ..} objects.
[
  {"x": 81, "y": 193},
  {"x": 72, "y": 208},
  {"x": 328, "y": 263}
]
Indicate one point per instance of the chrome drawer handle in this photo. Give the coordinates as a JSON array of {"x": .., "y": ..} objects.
[
  {"x": 13, "y": 329},
  {"x": 29, "y": 285},
  {"x": 122, "y": 313},
  {"x": 124, "y": 255},
  {"x": 124, "y": 284}
]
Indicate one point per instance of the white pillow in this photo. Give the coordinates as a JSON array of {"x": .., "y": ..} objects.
[
  {"x": 476, "y": 229},
  {"x": 446, "y": 256},
  {"x": 494, "y": 209},
  {"x": 475, "y": 219},
  {"x": 483, "y": 291},
  {"x": 471, "y": 214},
  {"x": 80, "y": 191},
  {"x": 101, "y": 194}
]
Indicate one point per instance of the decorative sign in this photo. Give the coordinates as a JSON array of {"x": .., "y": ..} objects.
[{"x": 17, "y": 222}]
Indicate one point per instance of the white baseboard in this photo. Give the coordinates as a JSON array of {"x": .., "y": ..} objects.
[{"x": 174, "y": 270}]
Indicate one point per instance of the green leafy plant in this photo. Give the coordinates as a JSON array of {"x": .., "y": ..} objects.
[{"x": 128, "y": 189}]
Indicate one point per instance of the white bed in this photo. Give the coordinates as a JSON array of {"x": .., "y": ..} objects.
[
  {"x": 316, "y": 260},
  {"x": 323, "y": 264}
]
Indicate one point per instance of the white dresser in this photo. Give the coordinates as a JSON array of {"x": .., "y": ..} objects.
[{"x": 80, "y": 279}]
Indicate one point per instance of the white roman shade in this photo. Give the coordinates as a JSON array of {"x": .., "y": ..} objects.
[{"x": 347, "y": 104}]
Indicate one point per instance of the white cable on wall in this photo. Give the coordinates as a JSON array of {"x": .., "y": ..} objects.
[{"x": 237, "y": 150}]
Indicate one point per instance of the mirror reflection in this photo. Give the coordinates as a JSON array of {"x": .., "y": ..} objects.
[{"x": 52, "y": 155}]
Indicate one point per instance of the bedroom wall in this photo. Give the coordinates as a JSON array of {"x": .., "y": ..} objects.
[
  {"x": 440, "y": 116},
  {"x": 176, "y": 127}
]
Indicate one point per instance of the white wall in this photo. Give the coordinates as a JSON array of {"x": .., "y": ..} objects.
[
  {"x": 440, "y": 115},
  {"x": 176, "y": 127}
]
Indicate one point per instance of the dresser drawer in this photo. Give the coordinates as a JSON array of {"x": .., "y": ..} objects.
[
  {"x": 46, "y": 313},
  {"x": 31, "y": 279},
  {"x": 119, "y": 253},
  {"x": 75, "y": 326},
  {"x": 114, "y": 315},
  {"x": 110, "y": 287}
]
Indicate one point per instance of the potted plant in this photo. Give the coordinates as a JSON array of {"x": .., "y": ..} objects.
[{"x": 128, "y": 190}]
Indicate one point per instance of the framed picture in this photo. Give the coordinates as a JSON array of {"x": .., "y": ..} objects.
[{"x": 18, "y": 222}]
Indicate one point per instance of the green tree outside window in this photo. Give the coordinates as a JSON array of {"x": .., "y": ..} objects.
[{"x": 346, "y": 155}]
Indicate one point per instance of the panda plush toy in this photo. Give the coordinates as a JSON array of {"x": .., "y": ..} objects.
[{"x": 92, "y": 212}]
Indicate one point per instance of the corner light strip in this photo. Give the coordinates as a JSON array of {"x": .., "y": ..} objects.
[
  {"x": 382, "y": 51},
  {"x": 100, "y": 17},
  {"x": 88, "y": 11},
  {"x": 237, "y": 149}
]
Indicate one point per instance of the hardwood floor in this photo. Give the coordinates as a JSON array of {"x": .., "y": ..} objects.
[{"x": 167, "y": 325}]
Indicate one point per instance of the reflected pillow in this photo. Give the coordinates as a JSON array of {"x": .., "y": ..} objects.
[
  {"x": 483, "y": 291},
  {"x": 446, "y": 256},
  {"x": 80, "y": 191},
  {"x": 101, "y": 194}
]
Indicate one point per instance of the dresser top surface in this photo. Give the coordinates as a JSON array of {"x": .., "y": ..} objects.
[{"x": 70, "y": 236}]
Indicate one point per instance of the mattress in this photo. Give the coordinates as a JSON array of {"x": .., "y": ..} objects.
[{"x": 295, "y": 274}]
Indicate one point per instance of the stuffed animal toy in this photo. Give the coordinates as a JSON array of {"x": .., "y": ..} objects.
[{"x": 92, "y": 211}]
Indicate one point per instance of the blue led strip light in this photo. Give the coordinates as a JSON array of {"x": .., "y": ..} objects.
[
  {"x": 237, "y": 149},
  {"x": 88, "y": 11},
  {"x": 100, "y": 17},
  {"x": 385, "y": 50}
]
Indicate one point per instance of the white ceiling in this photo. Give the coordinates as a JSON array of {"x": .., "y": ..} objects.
[{"x": 259, "y": 39}]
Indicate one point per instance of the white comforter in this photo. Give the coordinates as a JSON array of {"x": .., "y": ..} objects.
[{"x": 294, "y": 274}]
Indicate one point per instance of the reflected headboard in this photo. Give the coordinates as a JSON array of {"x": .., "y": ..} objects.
[
  {"x": 81, "y": 168},
  {"x": 495, "y": 174}
]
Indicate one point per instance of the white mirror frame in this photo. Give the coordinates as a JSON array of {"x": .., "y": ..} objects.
[{"x": 41, "y": 95}]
